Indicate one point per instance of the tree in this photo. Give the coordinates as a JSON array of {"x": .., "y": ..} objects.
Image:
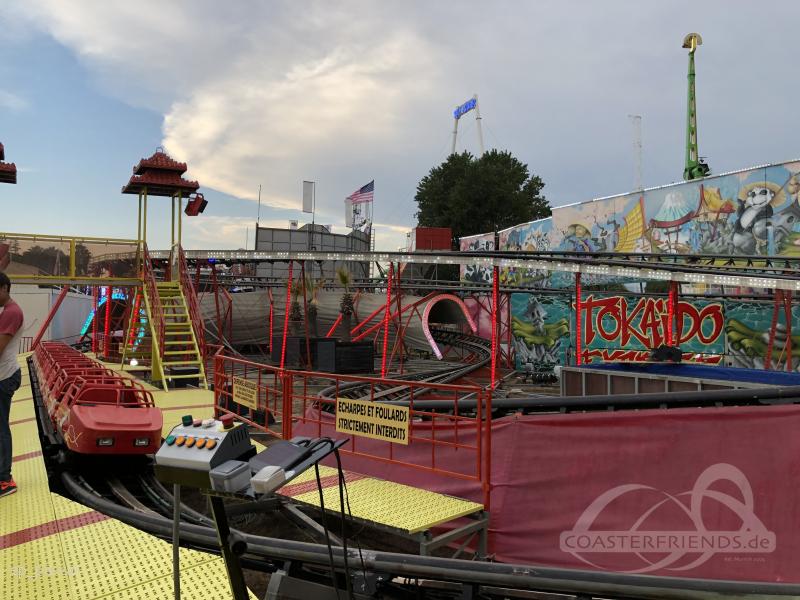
[
  {"x": 478, "y": 195},
  {"x": 346, "y": 306}
]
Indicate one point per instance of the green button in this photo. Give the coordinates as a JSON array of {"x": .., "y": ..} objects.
[
  {"x": 170, "y": 440},
  {"x": 187, "y": 420}
]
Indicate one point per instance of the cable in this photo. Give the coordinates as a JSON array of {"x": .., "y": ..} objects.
[
  {"x": 343, "y": 484},
  {"x": 176, "y": 524},
  {"x": 325, "y": 528},
  {"x": 347, "y": 580}
]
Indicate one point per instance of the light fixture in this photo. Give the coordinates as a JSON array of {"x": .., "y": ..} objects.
[{"x": 134, "y": 362}]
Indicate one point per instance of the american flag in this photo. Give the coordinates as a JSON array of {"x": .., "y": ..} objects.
[{"x": 363, "y": 194}]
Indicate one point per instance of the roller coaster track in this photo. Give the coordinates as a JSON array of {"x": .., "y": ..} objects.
[
  {"x": 757, "y": 272},
  {"x": 138, "y": 499},
  {"x": 479, "y": 347},
  {"x": 454, "y": 576}
]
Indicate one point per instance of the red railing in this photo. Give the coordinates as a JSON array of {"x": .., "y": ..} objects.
[
  {"x": 210, "y": 352},
  {"x": 111, "y": 346},
  {"x": 191, "y": 300},
  {"x": 287, "y": 403},
  {"x": 154, "y": 301}
]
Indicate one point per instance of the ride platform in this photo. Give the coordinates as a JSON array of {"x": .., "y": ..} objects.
[
  {"x": 52, "y": 547},
  {"x": 400, "y": 509}
]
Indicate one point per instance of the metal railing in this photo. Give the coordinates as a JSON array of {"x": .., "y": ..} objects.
[
  {"x": 153, "y": 303},
  {"x": 284, "y": 403},
  {"x": 187, "y": 286},
  {"x": 73, "y": 260}
]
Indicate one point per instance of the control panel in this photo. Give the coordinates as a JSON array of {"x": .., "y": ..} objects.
[{"x": 196, "y": 446}]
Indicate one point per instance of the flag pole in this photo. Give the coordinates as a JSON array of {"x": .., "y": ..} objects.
[{"x": 258, "y": 218}]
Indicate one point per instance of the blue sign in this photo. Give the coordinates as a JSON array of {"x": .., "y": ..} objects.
[{"x": 465, "y": 108}]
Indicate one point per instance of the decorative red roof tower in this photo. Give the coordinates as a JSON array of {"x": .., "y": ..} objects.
[
  {"x": 160, "y": 175},
  {"x": 8, "y": 171}
]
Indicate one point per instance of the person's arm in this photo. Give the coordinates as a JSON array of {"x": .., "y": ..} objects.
[
  {"x": 4, "y": 340},
  {"x": 9, "y": 325}
]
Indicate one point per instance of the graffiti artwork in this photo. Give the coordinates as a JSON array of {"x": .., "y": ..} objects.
[
  {"x": 530, "y": 237},
  {"x": 747, "y": 328},
  {"x": 621, "y": 328},
  {"x": 628, "y": 328},
  {"x": 748, "y": 212},
  {"x": 541, "y": 330},
  {"x": 476, "y": 243}
]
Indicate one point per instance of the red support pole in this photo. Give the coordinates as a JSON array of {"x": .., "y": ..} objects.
[
  {"x": 787, "y": 299},
  {"x": 671, "y": 305},
  {"x": 305, "y": 314},
  {"x": 271, "y": 317},
  {"x": 286, "y": 315},
  {"x": 95, "y": 295},
  {"x": 398, "y": 294},
  {"x": 578, "y": 320},
  {"x": 107, "y": 324},
  {"x": 773, "y": 329},
  {"x": 50, "y": 315},
  {"x": 335, "y": 325},
  {"x": 495, "y": 293},
  {"x": 509, "y": 339},
  {"x": 134, "y": 320},
  {"x": 386, "y": 312}
]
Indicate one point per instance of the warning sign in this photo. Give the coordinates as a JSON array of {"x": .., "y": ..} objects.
[
  {"x": 245, "y": 392},
  {"x": 373, "y": 420}
]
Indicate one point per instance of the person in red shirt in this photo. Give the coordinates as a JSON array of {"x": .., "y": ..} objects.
[{"x": 11, "y": 320}]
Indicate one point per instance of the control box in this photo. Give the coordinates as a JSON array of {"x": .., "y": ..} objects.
[{"x": 196, "y": 446}]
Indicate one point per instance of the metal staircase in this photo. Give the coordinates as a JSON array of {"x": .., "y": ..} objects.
[
  {"x": 175, "y": 326},
  {"x": 180, "y": 347}
]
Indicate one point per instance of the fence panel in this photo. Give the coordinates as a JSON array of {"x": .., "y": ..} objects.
[{"x": 285, "y": 403}]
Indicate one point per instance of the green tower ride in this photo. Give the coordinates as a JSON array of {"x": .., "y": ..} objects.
[{"x": 695, "y": 167}]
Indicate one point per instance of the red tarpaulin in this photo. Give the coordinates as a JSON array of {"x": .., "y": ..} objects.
[{"x": 706, "y": 493}]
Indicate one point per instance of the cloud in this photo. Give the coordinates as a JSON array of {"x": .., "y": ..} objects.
[
  {"x": 11, "y": 101},
  {"x": 341, "y": 93},
  {"x": 216, "y": 232},
  {"x": 273, "y": 124}
]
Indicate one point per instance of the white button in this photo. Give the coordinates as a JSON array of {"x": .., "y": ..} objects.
[{"x": 208, "y": 422}]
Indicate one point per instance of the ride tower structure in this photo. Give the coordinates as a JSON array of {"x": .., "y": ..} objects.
[{"x": 695, "y": 166}]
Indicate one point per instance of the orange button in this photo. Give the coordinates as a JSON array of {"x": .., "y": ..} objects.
[
  {"x": 201, "y": 442},
  {"x": 211, "y": 444},
  {"x": 179, "y": 442},
  {"x": 190, "y": 442}
]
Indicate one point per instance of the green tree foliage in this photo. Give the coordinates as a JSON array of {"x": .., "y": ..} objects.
[{"x": 477, "y": 195}]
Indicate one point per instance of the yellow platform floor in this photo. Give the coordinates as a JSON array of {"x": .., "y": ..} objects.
[
  {"x": 401, "y": 507},
  {"x": 53, "y": 548}
]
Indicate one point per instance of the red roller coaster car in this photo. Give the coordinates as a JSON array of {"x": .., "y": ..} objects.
[{"x": 91, "y": 408}]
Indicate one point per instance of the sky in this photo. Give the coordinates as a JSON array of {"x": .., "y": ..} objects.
[{"x": 272, "y": 93}]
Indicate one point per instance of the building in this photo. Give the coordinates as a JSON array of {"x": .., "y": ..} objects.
[{"x": 319, "y": 238}]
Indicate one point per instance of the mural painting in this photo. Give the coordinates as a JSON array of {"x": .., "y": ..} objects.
[
  {"x": 747, "y": 329},
  {"x": 476, "y": 243},
  {"x": 529, "y": 237},
  {"x": 626, "y": 328},
  {"x": 541, "y": 330},
  {"x": 622, "y": 328},
  {"x": 749, "y": 212}
]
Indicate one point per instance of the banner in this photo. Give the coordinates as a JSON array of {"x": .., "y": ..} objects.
[
  {"x": 308, "y": 196},
  {"x": 685, "y": 492}
]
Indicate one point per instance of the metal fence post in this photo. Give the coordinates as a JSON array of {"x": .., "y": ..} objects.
[{"x": 288, "y": 393}]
